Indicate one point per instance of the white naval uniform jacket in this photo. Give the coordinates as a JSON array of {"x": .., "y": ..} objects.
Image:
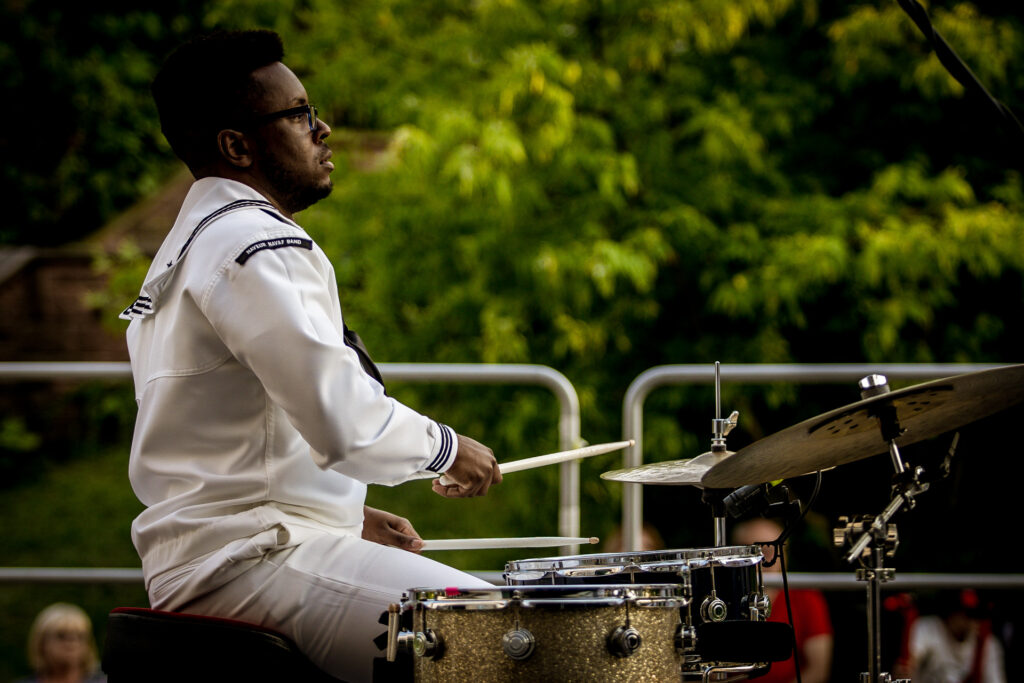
[{"x": 257, "y": 425}]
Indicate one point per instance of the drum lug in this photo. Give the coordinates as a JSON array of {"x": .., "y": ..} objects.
[
  {"x": 624, "y": 641},
  {"x": 686, "y": 640},
  {"x": 713, "y": 609},
  {"x": 427, "y": 644},
  {"x": 518, "y": 644}
]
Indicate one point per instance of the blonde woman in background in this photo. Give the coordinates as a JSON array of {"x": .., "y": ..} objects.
[{"x": 61, "y": 647}]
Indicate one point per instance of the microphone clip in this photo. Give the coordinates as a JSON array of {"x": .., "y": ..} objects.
[{"x": 770, "y": 500}]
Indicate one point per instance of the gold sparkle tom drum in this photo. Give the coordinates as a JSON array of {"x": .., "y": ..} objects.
[{"x": 542, "y": 633}]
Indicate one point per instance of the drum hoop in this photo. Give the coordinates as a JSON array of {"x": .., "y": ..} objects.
[
  {"x": 651, "y": 560},
  {"x": 593, "y": 595}
]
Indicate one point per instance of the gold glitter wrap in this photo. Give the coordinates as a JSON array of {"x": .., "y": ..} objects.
[{"x": 571, "y": 636}]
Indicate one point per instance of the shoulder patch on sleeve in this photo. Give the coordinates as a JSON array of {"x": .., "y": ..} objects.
[{"x": 275, "y": 243}]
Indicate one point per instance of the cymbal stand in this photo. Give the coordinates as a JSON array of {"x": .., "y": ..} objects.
[
  {"x": 878, "y": 538},
  {"x": 719, "y": 429}
]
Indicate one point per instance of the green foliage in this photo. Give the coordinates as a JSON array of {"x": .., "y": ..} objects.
[
  {"x": 79, "y": 136},
  {"x": 603, "y": 187},
  {"x": 14, "y": 436},
  {"x": 18, "y": 449}
]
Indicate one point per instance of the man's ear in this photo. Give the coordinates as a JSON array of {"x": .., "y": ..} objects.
[{"x": 234, "y": 148}]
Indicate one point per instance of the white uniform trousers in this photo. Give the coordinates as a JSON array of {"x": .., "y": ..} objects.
[{"x": 327, "y": 594}]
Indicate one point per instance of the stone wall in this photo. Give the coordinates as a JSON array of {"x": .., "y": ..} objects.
[{"x": 45, "y": 318}]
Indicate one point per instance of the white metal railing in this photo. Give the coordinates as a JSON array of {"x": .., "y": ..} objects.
[
  {"x": 647, "y": 381},
  {"x": 830, "y": 581},
  {"x": 569, "y": 437},
  {"x": 523, "y": 374}
]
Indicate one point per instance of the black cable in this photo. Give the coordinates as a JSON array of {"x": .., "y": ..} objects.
[
  {"x": 957, "y": 69},
  {"x": 789, "y": 610},
  {"x": 780, "y": 556},
  {"x": 788, "y": 529}
]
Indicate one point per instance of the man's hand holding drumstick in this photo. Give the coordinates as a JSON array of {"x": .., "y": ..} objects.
[
  {"x": 475, "y": 468},
  {"x": 474, "y": 471}
]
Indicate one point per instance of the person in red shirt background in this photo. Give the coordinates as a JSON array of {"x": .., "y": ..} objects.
[{"x": 811, "y": 621}]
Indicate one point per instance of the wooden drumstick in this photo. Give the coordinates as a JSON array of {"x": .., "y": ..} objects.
[
  {"x": 487, "y": 543},
  {"x": 555, "y": 458}
]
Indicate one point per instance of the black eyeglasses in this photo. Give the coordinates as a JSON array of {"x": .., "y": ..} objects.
[{"x": 307, "y": 109}]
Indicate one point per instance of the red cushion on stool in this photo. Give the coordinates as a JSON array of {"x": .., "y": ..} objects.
[{"x": 152, "y": 645}]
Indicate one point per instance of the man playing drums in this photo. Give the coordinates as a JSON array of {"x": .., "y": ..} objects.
[{"x": 261, "y": 417}]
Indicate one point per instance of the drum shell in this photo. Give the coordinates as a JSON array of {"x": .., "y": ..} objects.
[
  {"x": 733, "y": 572},
  {"x": 571, "y": 638}
]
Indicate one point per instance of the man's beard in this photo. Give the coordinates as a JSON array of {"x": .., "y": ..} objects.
[{"x": 294, "y": 192}]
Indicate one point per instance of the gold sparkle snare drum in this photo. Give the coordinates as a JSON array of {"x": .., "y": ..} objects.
[{"x": 541, "y": 633}]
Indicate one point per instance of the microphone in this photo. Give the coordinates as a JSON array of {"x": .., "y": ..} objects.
[
  {"x": 757, "y": 499},
  {"x": 746, "y": 500}
]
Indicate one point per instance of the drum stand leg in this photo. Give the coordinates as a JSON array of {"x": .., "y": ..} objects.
[
  {"x": 883, "y": 539},
  {"x": 877, "y": 531},
  {"x": 875, "y": 576}
]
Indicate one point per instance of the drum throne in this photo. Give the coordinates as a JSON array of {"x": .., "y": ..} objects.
[{"x": 160, "y": 647}]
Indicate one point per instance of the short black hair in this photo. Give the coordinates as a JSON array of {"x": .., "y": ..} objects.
[{"x": 206, "y": 85}]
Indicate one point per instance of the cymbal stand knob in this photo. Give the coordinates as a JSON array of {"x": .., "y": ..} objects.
[
  {"x": 720, "y": 428},
  {"x": 873, "y": 385},
  {"x": 888, "y": 420}
]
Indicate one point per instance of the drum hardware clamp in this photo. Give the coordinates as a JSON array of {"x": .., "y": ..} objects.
[
  {"x": 425, "y": 643},
  {"x": 719, "y": 430},
  {"x": 760, "y": 606},
  {"x": 686, "y": 641}
]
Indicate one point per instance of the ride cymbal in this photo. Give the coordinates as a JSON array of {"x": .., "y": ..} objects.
[{"x": 851, "y": 433}]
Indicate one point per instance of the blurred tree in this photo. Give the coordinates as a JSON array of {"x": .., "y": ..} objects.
[
  {"x": 603, "y": 187},
  {"x": 607, "y": 186},
  {"x": 79, "y": 137}
]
